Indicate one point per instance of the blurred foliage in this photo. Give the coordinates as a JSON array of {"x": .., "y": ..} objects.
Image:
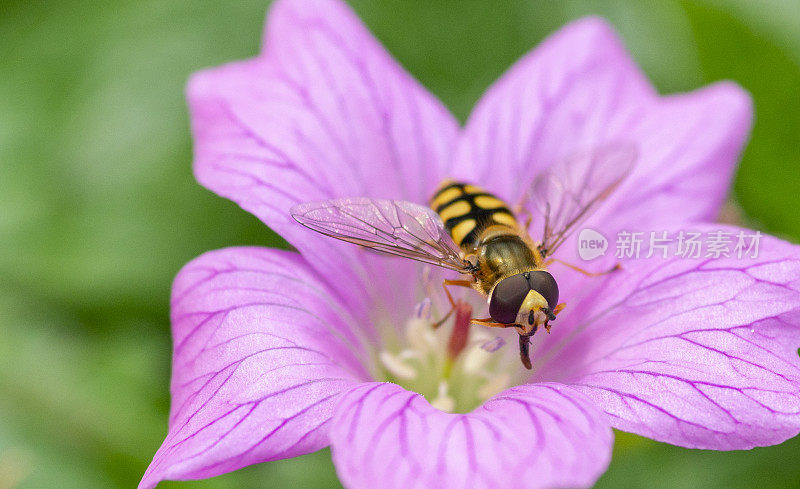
[{"x": 99, "y": 209}]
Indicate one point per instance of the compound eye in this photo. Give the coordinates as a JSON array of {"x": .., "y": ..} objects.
[
  {"x": 507, "y": 298},
  {"x": 544, "y": 283}
]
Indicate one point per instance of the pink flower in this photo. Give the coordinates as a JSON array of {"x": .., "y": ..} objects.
[{"x": 277, "y": 353}]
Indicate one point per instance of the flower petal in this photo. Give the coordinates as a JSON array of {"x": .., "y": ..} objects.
[
  {"x": 698, "y": 353},
  {"x": 532, "y": 436},
  {"x": 260, "y": 351},
  {"x": 579, "y": 90},
  {"x": 689, "y": 145},
  {"x": 576, "y": 90},
  {"x": 325, "y": 112}
]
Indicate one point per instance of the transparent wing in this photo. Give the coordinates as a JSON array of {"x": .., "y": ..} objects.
[
  {"x": 571, "y": 190},
  {"x": 390, "y": 226}
]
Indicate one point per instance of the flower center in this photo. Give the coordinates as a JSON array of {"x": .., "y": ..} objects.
[{"x": 455, "y": 365}]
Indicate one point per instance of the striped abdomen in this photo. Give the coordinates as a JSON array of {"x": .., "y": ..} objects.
[{"x": 467, "y": 210}]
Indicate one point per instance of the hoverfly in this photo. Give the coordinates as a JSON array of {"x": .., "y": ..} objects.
[{"x": 469, "y": 230}]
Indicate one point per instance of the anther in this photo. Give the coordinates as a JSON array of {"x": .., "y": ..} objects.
[
  {"x": 493, "y": 344},
  {"x": 423, "y": 309}
]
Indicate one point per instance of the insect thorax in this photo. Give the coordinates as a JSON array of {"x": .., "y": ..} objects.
[{"x": 501, "y": 255}]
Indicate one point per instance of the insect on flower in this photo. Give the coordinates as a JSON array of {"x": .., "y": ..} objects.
[
  {"x": 471, "y": 231},
  {"x": 279, "y": 354}
]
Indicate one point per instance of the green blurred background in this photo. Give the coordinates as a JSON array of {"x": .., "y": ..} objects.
[{"x": 99, "y": 209}]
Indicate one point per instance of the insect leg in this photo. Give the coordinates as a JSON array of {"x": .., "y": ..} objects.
[
  {"x": 520, "y": 210},
  {"x": 581, "y": 270},
  {"x": 489, "y": 322},
  {"x": 556, "y": 310},
  {"x": 519, "y": 207},
  {"x": 445, "y": 284},
  {"x": 441, "y": 321},
  {"x": 524, "y": 350},
  {"x": 459, "y": 283}
]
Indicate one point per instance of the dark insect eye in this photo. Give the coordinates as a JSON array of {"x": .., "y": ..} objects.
[
  {"x": 544, "y": 283},
  {"x": 507, "y": 298}
]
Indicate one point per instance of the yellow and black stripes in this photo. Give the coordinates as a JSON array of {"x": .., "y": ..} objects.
[{"x": 467, "y": 210}]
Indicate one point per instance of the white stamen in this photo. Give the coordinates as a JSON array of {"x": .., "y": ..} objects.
[
  {"x": 420, "y": 335},
  {"x": 420, "y": 358},
  {"x": 409, "y": 354},
  {"x": 397, "y": 367},
  {"x": 480, "y": 350},
  {"x": 475, "y": 359},
  {"x": 443, "y": 401}
]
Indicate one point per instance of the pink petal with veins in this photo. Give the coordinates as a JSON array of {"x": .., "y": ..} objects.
[
  {"x": 272, "y": 349},
  {"x": 531, "y": 436},
  {"x": 324, "y": 112},
  {"x": 580, "y": 90},
  {"x": 698, "y": 353},
  {"x": 577, "y": 90},
  {"x": 262, "y": 349}
]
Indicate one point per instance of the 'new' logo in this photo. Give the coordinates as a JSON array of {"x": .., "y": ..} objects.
[{"x": 591, "y": 244}]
